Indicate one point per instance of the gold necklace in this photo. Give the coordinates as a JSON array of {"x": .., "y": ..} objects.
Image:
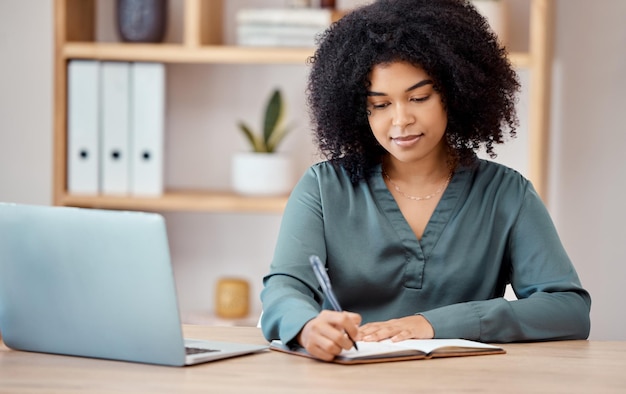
[{"x": 418, "y": 198}]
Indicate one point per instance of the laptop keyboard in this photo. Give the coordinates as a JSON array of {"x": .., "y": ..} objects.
[{"x": 197, "y": 350}]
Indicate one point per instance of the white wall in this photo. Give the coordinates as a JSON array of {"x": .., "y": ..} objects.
[
  {"x": 587, "y": 182},
  {"x": 26, "y": 48}
]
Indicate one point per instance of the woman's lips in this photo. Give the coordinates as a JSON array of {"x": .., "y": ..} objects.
[{"x": 408, "y": 140}]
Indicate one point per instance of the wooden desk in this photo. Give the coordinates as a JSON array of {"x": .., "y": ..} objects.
[{"x": 551, "y": 367}]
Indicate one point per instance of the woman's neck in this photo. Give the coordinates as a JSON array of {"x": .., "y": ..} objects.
[{"x": 426, "y": 171}]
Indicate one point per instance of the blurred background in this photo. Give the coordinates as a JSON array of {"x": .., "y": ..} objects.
[{"x": 586, "y": 175}]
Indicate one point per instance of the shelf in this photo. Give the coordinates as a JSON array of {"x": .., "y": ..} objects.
[
  {"x": 174, "y": 53},
  {"x": 189, "y": 201},
  {"x": 222, "y": 54}
]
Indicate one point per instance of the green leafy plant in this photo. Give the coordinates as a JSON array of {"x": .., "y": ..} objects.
[{"x": 274, "y": 131}]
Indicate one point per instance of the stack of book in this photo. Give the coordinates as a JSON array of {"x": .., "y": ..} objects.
[{"x": 282, "y": 27}]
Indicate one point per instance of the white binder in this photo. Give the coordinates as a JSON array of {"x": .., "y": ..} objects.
[
  {"x": 82, "y": 127},
  {"x": 115, "y": 158},
  {"x": 147, "y": 125}
]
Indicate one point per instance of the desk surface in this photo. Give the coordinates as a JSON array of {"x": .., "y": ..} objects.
[{"x": 550, "y": 367}]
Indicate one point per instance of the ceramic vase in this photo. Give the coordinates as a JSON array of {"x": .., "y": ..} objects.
[
  {"x": 262, "y": 174},
  {"x": 141, "y": 20}
]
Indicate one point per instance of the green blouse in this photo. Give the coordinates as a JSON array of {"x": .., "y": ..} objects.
[{"x": 489, "y": 229}]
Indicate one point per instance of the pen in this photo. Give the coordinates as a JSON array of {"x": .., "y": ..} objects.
[{"x": 324, "y": 280}]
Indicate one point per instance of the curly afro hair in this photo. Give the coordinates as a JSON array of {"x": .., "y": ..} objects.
[{"x": 448, "y": 39}]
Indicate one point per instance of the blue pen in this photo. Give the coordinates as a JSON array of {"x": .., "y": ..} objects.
[{"x": 324, "y": 281}]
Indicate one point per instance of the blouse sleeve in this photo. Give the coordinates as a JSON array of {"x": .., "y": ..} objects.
[
  {"x": 291, "y": 296},
  {"x": 551, "y": 302}
]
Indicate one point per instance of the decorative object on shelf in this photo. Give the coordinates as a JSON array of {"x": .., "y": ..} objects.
[
  {"x": 232, "y": 298},
  {"x": 495, "y": 11},
  {"x": 264, "y": 172},
  {"x": 141, "y": 20},
  {"x": 327, "y": 4},
  {"x": 323, "y": 4},
  {"x": 274, "y": 131}
]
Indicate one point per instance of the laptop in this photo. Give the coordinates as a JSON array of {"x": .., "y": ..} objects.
[{"x": 94, "y": 283}]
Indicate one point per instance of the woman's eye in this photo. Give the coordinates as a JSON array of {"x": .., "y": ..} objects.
[
  {"x": 380, "y": 106},
  {"x": 420, "y": 99}
]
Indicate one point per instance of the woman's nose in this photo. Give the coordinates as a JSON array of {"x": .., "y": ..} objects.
[{"x": 401, "y": 116}]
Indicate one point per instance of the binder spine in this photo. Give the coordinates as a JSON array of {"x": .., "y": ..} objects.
[
  {"x": 115, "y": 123},
  {"x": 147, "y": 127},
  {"x": 83, "y": 127}
]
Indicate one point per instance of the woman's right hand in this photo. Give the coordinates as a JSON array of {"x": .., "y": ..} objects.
[{"x": 326, "y": 335}]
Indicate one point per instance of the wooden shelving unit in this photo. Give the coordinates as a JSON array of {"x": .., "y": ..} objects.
[{"x": 75, "y": 39}]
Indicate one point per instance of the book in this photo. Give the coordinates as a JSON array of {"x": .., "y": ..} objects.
[
  {"x": 283, "y": 27},
  {"x": 277, "y": 35},
  {"x": 411, "y": 349},
  {"x": 287, "y": 16}
]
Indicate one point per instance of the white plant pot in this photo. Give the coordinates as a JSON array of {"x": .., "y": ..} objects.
[
  {"x": 262, "y": 174},
  {"x": 495, "y": 11}
]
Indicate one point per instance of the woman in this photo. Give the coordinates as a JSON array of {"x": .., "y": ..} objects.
[{"x": 419, "y": 236}]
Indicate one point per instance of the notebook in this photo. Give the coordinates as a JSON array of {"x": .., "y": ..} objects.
[
  {"x": 410, "y": 349},
  {"x": 94, "y": 283}
]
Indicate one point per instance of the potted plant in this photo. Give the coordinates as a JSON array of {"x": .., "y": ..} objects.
[{"x": 264, "y": 171}]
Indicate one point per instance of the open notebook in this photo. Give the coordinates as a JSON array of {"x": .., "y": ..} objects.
[
  {"x": 412, "y": 349},
  {"x": 94, "y": 283}
]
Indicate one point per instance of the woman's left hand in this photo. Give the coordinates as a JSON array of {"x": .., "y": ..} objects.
[{"x": 409, "y": 327}]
